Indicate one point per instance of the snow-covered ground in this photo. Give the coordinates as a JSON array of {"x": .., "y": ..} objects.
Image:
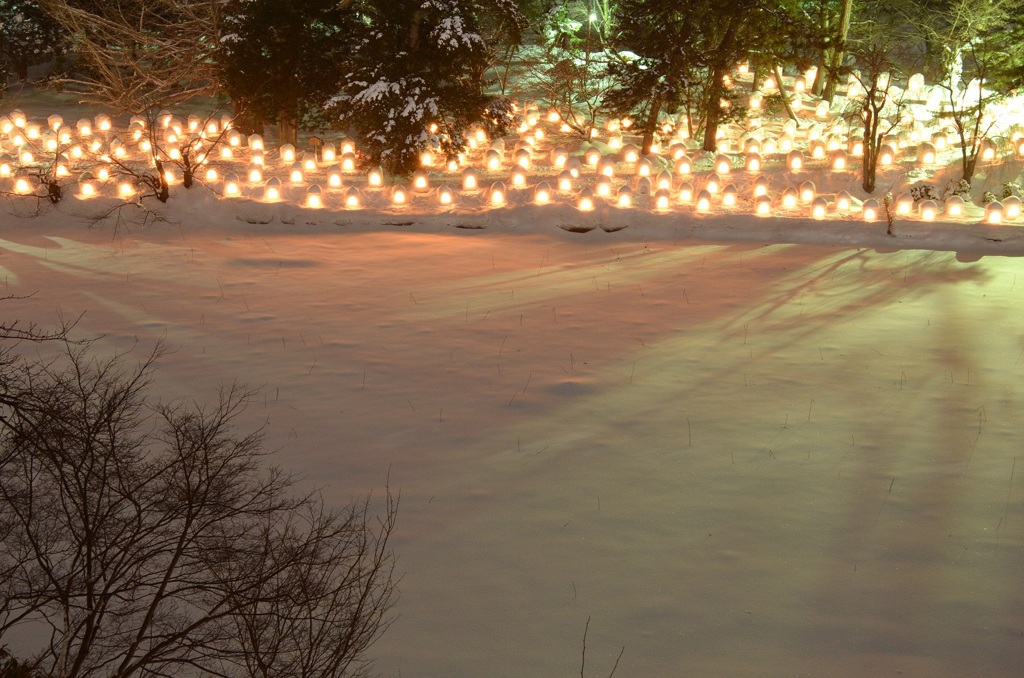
[{"x": 740, "y": 446}]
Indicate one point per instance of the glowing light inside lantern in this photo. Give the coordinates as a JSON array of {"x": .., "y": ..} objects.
[
  {"x": 818, "y": 208},
  {"x": 763, "y": 206},
  {"x": 542, "y": 196},
  {"x": 86, "y": 189},
  {"x": 287, "y": 153},
  {"x": 125, "y": 189},
  {"x": 375, "y": 178},
  {"x": 703, "y": 202},
  {"x": 255, "y": 175},
  {"x": 22, "y": 186},
  {"x": 352, "y": 198},
  {"x": 231, "y": 189},
  {"x": 789, "y": 198},
  {"x": 685, "y": 193}
]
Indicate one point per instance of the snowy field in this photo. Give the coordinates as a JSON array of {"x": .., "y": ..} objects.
[{"x": 741, "y": 447}]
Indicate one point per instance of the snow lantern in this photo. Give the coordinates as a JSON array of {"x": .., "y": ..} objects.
[
  {"x": 677, "y": 151},
  {"x": 869, "y": 210},
  {"x": 86, "y": 185},
  {"x": 375, "y": 177},
  {"x": 295, "y": 174},
  {"x": 348, "y": 162},
  {"x": 994, "y": 212},
  {"x": 226, "y": 153},
  {"x": 84, "y": 127},
  {"x": 231, "y": 187},
  {"x": 1012, "y": 208},
  {"x": 762, "y": 206},
  {"x": 915, "y": 84},
  {"x": 817, "y": 150},
  {"x": 103, "y": 173},
  {"x": 843, "y": 201},
  {"x": 768, "y": 147},
  {"x": 928, "y": 210},
  {"x": 518, "y": 179},
  {"x": 287, "y": 153},
  {"x": 886, "y": 155},
  {"x": 327, "y": 153},
  {"x": 554, "y": 116},
  {"x": 309, "y": 161},
  {"x": 703, "y": 202},
  {"x": 17, "y": 118},
  {"x": 352, "y": 198},
  {"x": 722, "y": 164},
  {"x": 752, "y": 162},
  {"x": 565, "y": 180},
  {"x": 624, "y": 198},
  {"x": 592, "y": 156},
  {"x": 630, "y": 153},
  {"x": 926, "y": 154},
  {"x": 663, "y": 180},
  {"x": 840, "y": 161},
  {"x": 426, "y": 159},
  {"x": 856, "y": 147},
  {"x": 644, "y": 186},
  {"x": 755, "y": 100},
  {"x": 334, "y": 176},
  {"x": 347, "y": 146},
  {"x": 807, "y": 191},
  {"x": 760, "y": 186},
  {"x": 522, "y": 158},
  {"x": 644, "y": 167},
  {"x": 683, "y": 165},
  {"x": 799, "y": 83},
  {"x": 470, "y": 180},
  {"x": 713, "y": 183},
  {"x": 752, "y": 145},
  {"x": 573, "y": 166},
  {"x": 314, "y": 197},
  {"x": 987, "y": 150},
  {"x": 420, "y": 181},
  {"x": 542, "y": 193},
  {"x": 585, "y": 201},
  {"x": 194, "y": 121},
  {"x": 55, "y": 121},
  {"x": 955, "y": 206},
  {"x": 819, "y": 207},
  {"x": 559, "y": 156},
  {"x": 790, "y": 198},
  {"x": 444, "y": 196},
  {"x": 254, "y": 174},
  {"x": 795, "y": 161},
  {"x": 603, "y": 187},
  {"x": 492, "y": 160},
  {"x": 821, "y": 110},
  {"x": 497, "y": 194},
  {"x": 211, "y": 176},
  {"x": 22, "y": 183},
  {"x": 904, "y": 203},
  {"x": 25, "y": 156},
  {"x": 729, "y": 195},
  {"x": 272, "y": 189},
  {"x": 255, "y": 142},
  {"x": 606, "y": 166},
  {"x": 399, "y": 195},
  {"x": 615, "y": 142},
  {"x": 662, "y": 200},
  {"x": 686, "y": 192}
]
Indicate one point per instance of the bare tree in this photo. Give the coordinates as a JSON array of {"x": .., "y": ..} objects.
[
  {"x": 142, "y": 54},
  {"x": 152, "y": 540}
]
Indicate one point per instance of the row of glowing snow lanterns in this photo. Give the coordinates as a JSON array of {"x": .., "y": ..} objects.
[{"x": 560, "y": 158}]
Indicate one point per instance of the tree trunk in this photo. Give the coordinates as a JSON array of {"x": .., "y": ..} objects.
[
  {"x": 245, "y": 120},
  {"x": 713, "y": 113},
  {"x": 785, "y": 97},
  {"x": 288, "y": 129},
  {"x": 22, "y": 66},
  {"x": 652, "y": 125},
  {"x": 836, "y": 62}
]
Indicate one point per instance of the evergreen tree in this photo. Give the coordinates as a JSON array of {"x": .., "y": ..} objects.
[
  {"x": 281, "y": 59},
  {"x": 414, "y": 64},
  {"x": 27, "y": 36},
  {"x": 679, "y": 54}
]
